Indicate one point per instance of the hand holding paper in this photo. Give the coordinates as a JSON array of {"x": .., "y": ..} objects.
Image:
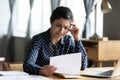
[{"x": 67, "y": 64}]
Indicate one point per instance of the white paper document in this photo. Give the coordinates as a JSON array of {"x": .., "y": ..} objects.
[
  {"x": 12, "y": 73},
  {"x": 20, "y": 75},
  {"x": 67, "y": 64}
]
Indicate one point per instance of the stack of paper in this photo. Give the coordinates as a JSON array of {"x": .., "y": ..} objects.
[
  {"x": 12, "y": 73},
  {"x": 20, "y": 75}
]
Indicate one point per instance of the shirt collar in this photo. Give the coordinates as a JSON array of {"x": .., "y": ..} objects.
[{"x": 62, "y": 40}]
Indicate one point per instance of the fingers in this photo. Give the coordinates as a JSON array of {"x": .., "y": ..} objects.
[
  {"x": 73, "y": 27},
  {"x": 75, "y": 31},
  {"x": 50, "y": 69},
  {"x": 47, "y": 70}
]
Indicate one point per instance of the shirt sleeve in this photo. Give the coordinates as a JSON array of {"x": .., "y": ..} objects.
[
  {"x": 80, "y": 48},
  {"x": 29, "y": 65}
]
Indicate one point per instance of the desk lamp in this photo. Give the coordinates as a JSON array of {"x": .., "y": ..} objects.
[{"x": 105, "y": 8}]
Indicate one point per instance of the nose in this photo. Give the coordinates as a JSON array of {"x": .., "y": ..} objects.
[{"x": 61, "y": 30}]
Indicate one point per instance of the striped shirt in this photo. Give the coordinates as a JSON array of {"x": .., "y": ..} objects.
[{"x": 41, "y": 49}]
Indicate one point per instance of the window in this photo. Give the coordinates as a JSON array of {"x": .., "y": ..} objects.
[
  {"x": 4, "y": 17},
  {"x": 20, "y": 17},
  {"x": 79, "y": 15},
  {"x": 39, "y": 19},
  {"x": 78, "y": 10},
  {"x": 39, "y": 16}
]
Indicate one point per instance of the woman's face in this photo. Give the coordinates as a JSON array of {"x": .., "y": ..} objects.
[{"x": 60, "y": 27}]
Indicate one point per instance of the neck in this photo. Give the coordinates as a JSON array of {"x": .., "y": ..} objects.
[{"x": 54, "y": 39}]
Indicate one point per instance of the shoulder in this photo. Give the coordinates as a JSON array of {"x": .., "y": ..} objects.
[
  {"x": 38, "y": 37},
  {"x": 41, "y": 35}
]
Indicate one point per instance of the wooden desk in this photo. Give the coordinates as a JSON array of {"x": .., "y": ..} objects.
[
  {"x": 100, "y": 51},
  {"x": 53, "y": 77}
]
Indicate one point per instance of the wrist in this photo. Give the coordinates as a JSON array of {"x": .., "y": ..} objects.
[
  {"x": 77, "y": 38},
  {"x": 40, "y": 71}
]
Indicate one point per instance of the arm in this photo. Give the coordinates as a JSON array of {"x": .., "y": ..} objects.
[
  {"x": 30, "y": 63},
  {"x": 32, "y": 54},
  {"x": 78, "y": 45}
]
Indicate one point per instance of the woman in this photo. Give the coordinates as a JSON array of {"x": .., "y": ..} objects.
[{"x": 54, "y": 42}]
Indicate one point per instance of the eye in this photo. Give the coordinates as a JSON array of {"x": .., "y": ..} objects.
[{"x": 58, "y": 25}]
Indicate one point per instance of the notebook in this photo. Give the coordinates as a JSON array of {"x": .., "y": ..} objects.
[{"x": 104, "y": 73}]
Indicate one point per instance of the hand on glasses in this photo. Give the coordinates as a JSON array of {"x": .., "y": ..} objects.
[{"x": 75, "y": 31}]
